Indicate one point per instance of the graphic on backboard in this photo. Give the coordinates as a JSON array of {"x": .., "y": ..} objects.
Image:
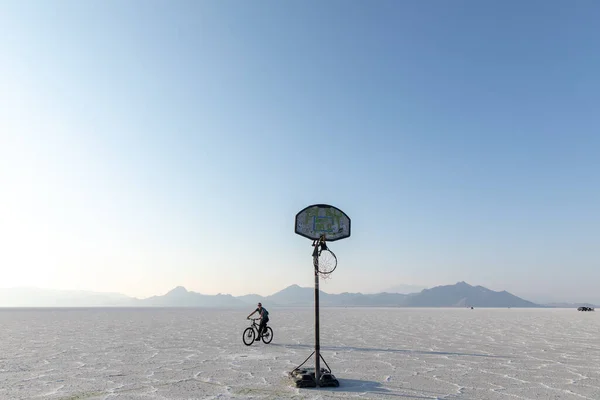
[{"x": 322, "y": 219}]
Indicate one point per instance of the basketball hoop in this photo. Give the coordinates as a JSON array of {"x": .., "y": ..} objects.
[
  {"x": 322, "y": 223},
  {"x": 324, "y": 260}
]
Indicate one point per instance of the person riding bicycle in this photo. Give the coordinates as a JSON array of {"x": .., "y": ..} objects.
[{"x": 264, "y": 318}]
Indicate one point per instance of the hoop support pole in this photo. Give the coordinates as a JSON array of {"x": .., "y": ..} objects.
[{"x": 317, "y": 341}]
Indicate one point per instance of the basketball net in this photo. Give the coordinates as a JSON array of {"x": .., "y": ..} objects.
[
  {"x": 324, "y": 260},
  {"x": 324, "y": 277}
]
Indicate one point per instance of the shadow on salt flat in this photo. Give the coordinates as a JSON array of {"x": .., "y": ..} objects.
[
  {"x": 372, "y": 387},
  {"x": 371, "y": 349}
]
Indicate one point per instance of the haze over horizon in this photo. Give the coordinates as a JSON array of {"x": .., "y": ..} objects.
[{"x": 172, "y": 145}]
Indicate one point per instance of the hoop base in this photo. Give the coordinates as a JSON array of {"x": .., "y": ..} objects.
[{"x": 305, "y": 377}]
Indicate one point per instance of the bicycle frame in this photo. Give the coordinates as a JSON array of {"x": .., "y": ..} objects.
[{"x": 255, "y": 325}]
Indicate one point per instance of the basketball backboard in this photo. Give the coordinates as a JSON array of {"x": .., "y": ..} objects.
[{"x": 322, "y": 219}]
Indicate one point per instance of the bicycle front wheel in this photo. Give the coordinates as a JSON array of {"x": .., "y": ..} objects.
[
  {"x": 267, "y": 335},
  {"x": 248, "y": 336}
]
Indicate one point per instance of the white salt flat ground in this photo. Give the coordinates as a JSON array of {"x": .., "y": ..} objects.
[{"x": 384, "y": 353}]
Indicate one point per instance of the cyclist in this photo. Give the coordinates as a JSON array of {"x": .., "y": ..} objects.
[{"x": 264, "y": 318}]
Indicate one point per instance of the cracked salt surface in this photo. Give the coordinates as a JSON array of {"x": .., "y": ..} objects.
[{"x": 376, "y": 353}]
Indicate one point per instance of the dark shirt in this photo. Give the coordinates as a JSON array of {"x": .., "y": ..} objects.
[{"x": 264, "y": 314}]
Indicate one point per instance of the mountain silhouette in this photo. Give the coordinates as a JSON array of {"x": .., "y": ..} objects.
[
  {"x": 404, "y": 289},
  {"x": 460, "y": 294},
  {"x": 34, "y": 297},
  {"x": 295, "y": 295},
  {"x": 181, "y": 297}
]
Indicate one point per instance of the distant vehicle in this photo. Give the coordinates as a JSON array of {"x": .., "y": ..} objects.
[{"x": 585, "y": 309}]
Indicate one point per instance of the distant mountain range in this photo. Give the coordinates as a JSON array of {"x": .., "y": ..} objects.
[
  {"x": 404, "y": 289},
  {"x": 460, "y": 294}
]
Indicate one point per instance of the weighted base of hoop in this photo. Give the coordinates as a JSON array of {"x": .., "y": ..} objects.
[{"x": 305, "y": 377}]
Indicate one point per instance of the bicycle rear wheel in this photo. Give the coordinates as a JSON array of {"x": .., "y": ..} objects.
[
  {"x": 248, "y": 336},
  {"x": 267, "y": 335}
]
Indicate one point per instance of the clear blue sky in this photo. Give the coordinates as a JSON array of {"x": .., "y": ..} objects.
[{"x": 145, "y": 145}]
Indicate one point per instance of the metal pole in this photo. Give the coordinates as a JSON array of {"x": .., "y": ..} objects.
[{"x": 317, "y": 344}]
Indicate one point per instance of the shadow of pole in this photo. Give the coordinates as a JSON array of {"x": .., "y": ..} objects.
[
  {"x": 379, "y": 350},
  {"x": 373, "y": 387}
]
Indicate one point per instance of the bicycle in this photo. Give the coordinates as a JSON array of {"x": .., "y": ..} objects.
[{"x": 252, "y": 332}]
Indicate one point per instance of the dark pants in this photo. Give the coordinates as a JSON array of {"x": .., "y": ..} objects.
[{"x": 262, "y": 326}]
